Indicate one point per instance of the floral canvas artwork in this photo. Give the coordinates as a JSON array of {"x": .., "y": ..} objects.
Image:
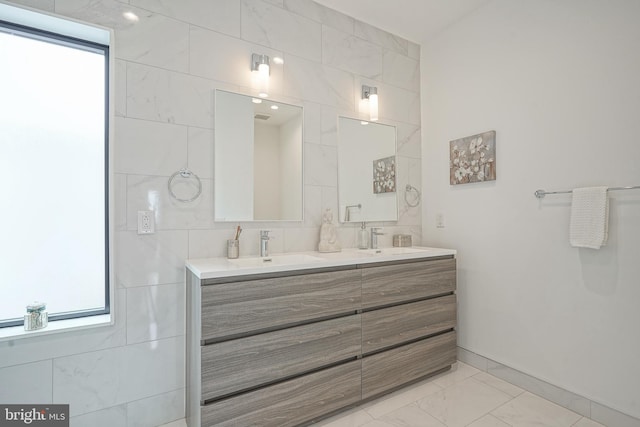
[
  {"x": 473, "y": 159},
  {"x": 384, "y": 175}
]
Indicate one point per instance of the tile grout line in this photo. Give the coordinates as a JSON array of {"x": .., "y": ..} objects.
[{"x": 496, "y": 388}]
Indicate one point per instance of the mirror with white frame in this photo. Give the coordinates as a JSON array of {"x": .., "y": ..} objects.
[
  {"x": 367, "y": 180},
  {"x": 257, "y": 159}
]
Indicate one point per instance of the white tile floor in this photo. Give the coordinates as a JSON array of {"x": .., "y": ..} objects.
[{"x": 464, "y": 396}]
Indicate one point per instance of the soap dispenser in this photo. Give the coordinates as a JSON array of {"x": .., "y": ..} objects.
[{"x": 363, "y": 237}]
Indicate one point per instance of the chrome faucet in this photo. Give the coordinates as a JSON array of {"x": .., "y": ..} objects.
[
  {"x": 264, "y": 243},
  {"x": 374, "y": 237}
]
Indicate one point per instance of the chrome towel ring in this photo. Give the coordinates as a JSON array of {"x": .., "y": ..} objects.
[
  {"x": 416, "y": 199},
  {"x": 184, "y": 173}
]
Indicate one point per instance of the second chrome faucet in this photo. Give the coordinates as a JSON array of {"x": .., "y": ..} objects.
[
  {"x": 374, "y": 237},
  {"x": 264, "y": 243}
]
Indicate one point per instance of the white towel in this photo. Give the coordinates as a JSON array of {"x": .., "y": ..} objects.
[{"x": 589, "y": 226}]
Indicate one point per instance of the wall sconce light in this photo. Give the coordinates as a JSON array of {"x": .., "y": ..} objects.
[
  {"x": 370, "y": 93},
  {"x": 260, "y": 72}
]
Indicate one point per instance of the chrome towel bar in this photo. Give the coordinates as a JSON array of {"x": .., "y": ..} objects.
[{"x": 541, "y": 193}]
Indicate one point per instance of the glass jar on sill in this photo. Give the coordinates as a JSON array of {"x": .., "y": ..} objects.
[{"x": 36, "y": 317}]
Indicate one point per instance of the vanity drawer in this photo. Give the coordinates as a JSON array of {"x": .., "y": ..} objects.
[
  {"x": 240, "y": 364},
  {"x": 394, "y": 325},
  {"x": 385, "y": 371},
  {"x": 289, "y": 403},
  {"x": 398, "y": 283},
  {"x": 239, "y": 308}
]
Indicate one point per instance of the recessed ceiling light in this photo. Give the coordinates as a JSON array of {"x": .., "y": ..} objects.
[
  {"x": 256, "y": 101},
  {"x": 274, "y": 107},
  {"x": 130, "y": 16},
  {"x": 278, "y": 60},
  {"x": 363, "y": 123}
]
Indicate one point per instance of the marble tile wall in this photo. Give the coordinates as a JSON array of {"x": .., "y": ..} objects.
[{"x": 167, "y": 67}]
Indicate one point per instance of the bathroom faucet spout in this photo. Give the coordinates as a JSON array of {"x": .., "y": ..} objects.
[
  {"x": 264, "y": 243},
  {"x": 374, "y": 237}
]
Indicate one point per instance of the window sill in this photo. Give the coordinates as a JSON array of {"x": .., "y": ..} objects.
[{"x": 58, "y": 326}]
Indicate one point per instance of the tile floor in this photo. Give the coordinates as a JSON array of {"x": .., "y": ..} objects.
[{"x": 464, "y": 396}]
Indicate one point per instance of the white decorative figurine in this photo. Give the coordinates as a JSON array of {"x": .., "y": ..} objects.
[{"x": 328, "y": 236}]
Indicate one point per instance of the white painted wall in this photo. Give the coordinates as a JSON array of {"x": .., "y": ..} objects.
[
  {"x": 234, "y": 158},
  {"x": 558, "y": 81},
  {"x": 278, "y": 170},
  {"x": 267, "y": 194},
  {"x": 358, "y": 147},
  {"x": 290, "y": 171}
]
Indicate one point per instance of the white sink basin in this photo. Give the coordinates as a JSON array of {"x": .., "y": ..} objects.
[
  {"x": 392, "y": 251},
  {"x": 293, "y": 259},
  {"x": 210, "y": 268}
]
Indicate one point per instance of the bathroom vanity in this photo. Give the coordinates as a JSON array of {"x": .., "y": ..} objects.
[{"x": 290, "y": 339}]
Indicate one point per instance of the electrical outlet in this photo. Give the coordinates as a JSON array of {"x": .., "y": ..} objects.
[
  {"x": 146, "y": 222},
  {"x": 440, "y": 220}
]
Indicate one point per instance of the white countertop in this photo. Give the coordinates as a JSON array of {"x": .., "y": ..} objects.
[{"x": 210, "y": 268}]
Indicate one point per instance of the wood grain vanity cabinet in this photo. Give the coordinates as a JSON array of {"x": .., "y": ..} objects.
[
  {"x": 407, "y": 324},
  {"x": 288, "y": 348}
]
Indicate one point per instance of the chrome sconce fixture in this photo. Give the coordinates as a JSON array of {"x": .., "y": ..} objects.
[
  {"x": 260, "y": 74},
  {"x": 370, "y": 98}
]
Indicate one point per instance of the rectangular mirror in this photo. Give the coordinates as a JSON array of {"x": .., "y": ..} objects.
[
  {"x": 367, "y": 181},
  {"x": 258, "y": 159}
]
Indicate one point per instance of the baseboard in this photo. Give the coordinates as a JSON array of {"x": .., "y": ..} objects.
[{"x": 574, "y": 402}]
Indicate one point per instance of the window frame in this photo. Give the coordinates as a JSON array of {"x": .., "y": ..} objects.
[{"x": 47, "y": 36}]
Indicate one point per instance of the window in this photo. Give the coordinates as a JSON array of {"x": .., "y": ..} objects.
[{"x": 54, "y": 243}]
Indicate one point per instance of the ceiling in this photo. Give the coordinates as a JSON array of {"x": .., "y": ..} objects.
[
  {"x": 415, "y": 20},
  {"x": 283, "y": 114}
]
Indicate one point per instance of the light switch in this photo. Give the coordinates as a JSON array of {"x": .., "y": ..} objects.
[{"x": 440, "y": 220}]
